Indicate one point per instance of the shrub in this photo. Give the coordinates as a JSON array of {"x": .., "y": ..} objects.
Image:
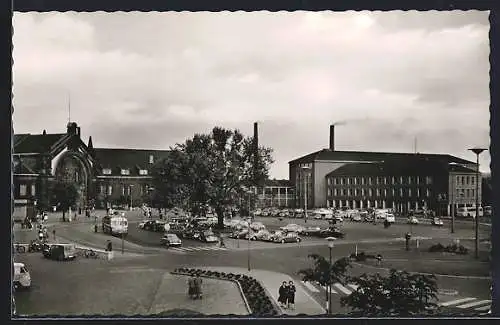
[{"x": 437, "y": 248}]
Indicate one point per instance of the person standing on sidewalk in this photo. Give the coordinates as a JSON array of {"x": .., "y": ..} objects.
[
  {"x": 291, "y": 295},
  {"x": 191, "y": 287},
  {"x": 198, "y": 282},
  {"x": 282, "y": 291}
]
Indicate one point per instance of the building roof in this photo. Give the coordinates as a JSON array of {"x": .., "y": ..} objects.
[
  {"x": 278, "y": 183},
  {"x": 406, "y": 168},
  {"x": 132, "y": 159},
  {"x": 35, "y": 143},
  {"x": 327, "y": 154}
]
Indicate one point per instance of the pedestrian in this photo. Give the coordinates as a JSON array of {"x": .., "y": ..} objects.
[
  {"x": 282, "y": 294},
  {"x": 191, "y": 287},
  {"x": 221, "y": 241},
  {"x": 291, "y": 295},
  {"x": 109, "y": 246},
  {"x": 54, "y": 233},
  {"x": 198, "y": 282}
]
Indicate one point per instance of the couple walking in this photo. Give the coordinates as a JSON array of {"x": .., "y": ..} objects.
[
  {"x": 287, "y": 295},
  {"x": 194, "y": 287}
]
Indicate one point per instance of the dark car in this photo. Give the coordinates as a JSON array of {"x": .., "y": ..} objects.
[
  {"x": 239, "y": 234},
  {"x": 190, "y": 233},
  {"x": 59, "y": 252},
  {"x": 331, "y": 232},
  {"x": 208, "y": 237}
]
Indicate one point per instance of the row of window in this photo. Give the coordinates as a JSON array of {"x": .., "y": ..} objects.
[
  {"x": 23, "y": 190},
  {"x": 377, "y": 192},
  {"x": 470, "y": 192},
  {"x": 379, "y": 180},
  {"x": 125, "y": 172},
  {"x": 125, "y": 189},
  {"x": 466, "y": 180}
]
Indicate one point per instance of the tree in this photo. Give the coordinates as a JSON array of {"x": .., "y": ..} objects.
[
  {"x": 213, "y": 170},
  {"x": 324, "y": 273},
  {"x": 399, "y": 294},
  {"x": 66, "y": 195}
]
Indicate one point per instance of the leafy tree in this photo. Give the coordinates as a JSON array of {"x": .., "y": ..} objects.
[
  {"x": 325, "y": 273},
  {"x": 212, "y": 170},
  {"x": 66, "y": 195},
  {"x": 399, "y": 294}
]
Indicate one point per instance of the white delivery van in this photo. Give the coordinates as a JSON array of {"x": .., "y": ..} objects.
[
  {"x": 389, "y": 217},
  {"x": 22, "y": 277}
]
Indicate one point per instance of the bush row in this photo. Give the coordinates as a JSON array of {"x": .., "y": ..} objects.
[
  {"x": 256, "y": 296},
  {"x": 455, "y": 249}
]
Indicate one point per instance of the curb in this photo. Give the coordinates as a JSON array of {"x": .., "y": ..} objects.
[
  {"x": 425, "y": 273},
  {"x": 250, "y": 312}
]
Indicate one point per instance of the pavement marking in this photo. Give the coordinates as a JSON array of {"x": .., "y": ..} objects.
[
  {"x": 309, "y": 286},
  {"x": 484, "y": 308},
  {"x": 342, "y": 288},
  {"x": 456, "y": 302},
  {"x": 474, "y": 304}
]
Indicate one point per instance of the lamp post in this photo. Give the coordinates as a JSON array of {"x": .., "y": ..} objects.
[
  {"x": 305, "y": 169},
  {"x": 329, "y": 293},
  {"x": 130, "y": 189},
  {"x": 248, "y": 234},
  {"x": 477, "y": 151}
]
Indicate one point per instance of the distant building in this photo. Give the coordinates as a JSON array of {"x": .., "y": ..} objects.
[
  {"x": 102, "y": 176},
  {"x": 275, "y": 193},
  {"x": 311, "y": 173}
]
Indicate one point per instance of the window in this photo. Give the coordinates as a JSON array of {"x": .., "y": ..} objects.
[
  {"x": 428, "y": 192},
  {"x": 335, "y": 191},
  {"x": 463, "y": 180},
  {"x": 472, "y": 192},
  {"x": 428, "y": 180},
  {"x": 110, "y": 189},
  {"x": 33, "y": 189},
  {"x": 329, "y": 181},
  {"x": 355, "y": 181},
  {"x": 349, "y": 192},
  {"x": 363, "y": 181},
  {"x": 363, "y": 192},
  {"x": 458, "y": 193},
  {"x": 125, "y": 172},
  {"x": 409, "y": 179},
  {"x": 472, "y": 180},
  {"x": 377, "y": 180},
  {"x": 467, "y": 180},
  {"x": 393, "y": 180},
  {"x": 356, "y": 192},
  {"x": 418, "y": 192},
  {"x": 129, "y": 189},
  {"x": 401, "y": 192},
  {"x": 77, "y": 177},
  {"x": 123, "y": 189},
  {"x": 22, "y": 190},
  {"x": 329, "y": 192},
  {"x": 393, "y": 192},
  {"x": 370, "y": 181},
  {"x": 106, "y": 171},
  {"x": 348, "y": 181},
  {"x": 385, "y": 180},
  {"x": 417, "y": 179},
  {"x": 409, "y": 192},
  {"x": 151, "y": 159},
  {"x": 377, "y": 191},
  {"x": 400, "y": 179},
  {"x": 385, "y": 192},
  {"x": 370, "y": 192},
  {"x": 102, "y": 190}
]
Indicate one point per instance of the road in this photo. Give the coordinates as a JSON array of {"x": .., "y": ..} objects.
[{"x": 285, "y": 258}]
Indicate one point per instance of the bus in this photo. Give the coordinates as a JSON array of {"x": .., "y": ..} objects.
[
  {"x": 115, "y": 225},
  {"x": 469, "y": 212}
]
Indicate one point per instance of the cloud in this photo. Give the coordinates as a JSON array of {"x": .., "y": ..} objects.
[{"x": 154, "y": 79}]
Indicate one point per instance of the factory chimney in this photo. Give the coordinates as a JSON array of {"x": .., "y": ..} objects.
[
  {"x": 256, "y": 150},
  {"x": 332, "y": 137}
]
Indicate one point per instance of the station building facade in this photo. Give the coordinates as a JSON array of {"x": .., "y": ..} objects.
[
  {"x": 275, "y": 193},
  {"x": 103, "y": 177},
  {"x": 403, "y": 181}
]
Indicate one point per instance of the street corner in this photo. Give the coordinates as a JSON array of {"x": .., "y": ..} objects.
[{"x": 219, "y": 297}]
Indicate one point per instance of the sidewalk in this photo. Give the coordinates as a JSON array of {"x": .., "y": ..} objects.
[{"x": 271, "y": 281}]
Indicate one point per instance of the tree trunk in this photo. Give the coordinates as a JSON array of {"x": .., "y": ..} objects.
[{"x": 220, "y": 217}]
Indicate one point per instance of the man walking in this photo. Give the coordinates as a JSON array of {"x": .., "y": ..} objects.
[
  {"x": 291, "y": 295},
  {"x": 198, "y": 282},
  {"x": 191, "y": 288}
]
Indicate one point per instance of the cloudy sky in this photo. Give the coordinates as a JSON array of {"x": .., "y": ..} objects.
[{"x": 150, "y": 80}]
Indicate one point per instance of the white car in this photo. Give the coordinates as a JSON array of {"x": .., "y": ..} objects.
[
  {"x": 389, "y": 217},
  {"x": 257, "y": 226},
  {"x": 293, "y": 228},
  {"x": 413, "y": 220},
  {"x": 22, "y": 277},
  {"x": 141, "y": 224}
]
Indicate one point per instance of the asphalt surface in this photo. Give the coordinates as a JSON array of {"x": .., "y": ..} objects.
[{"x": 285, "y": 258}]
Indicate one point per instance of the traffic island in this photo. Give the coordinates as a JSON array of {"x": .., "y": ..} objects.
[{"x": 253, "y": 294}]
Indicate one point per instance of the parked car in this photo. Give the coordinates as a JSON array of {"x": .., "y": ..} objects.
[
  {"x": 289, "y": 237},
  {"x": 356, "y": 217},
  {"x": 170, "y": 240},
  {"x": 293, "y": 228},
  {"x": 310, "y": 231},
  {"x": 413, "y": 220},
  {"x": 22, "y": 277},
  {"x": 262, "y": 235},
  {"x": 60, "y": 252},
  {"x": 208, "y": 237},
  {"x": 256, "y": 226},
  {"x": 257, "y": 212},
  {"x": 331, "y": 232},
  {"x": 239, "y": 234},
  {"x": 437, "y": 222},
  {"x": 389, "y": 217}
]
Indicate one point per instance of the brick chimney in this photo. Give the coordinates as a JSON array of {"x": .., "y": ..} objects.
[{"x": 332, "y": 137}]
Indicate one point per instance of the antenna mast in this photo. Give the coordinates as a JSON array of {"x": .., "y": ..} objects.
[
  {"x": 69, "y": 107},
  {"x": 415, "y": 145}
]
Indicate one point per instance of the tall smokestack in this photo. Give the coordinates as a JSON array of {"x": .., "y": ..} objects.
[
  {"x": 332, "y": 137},
  {"x": 256, "y": 151}
]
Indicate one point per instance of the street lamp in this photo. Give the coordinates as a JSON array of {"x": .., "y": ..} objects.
[
  {"x": 305, "y": 169},
  {"x": 477, "y": 151},
  {"x": 329, "y": 293},
  {"x": 130, "y": 189},
  {"x": 248, "y": 234}
]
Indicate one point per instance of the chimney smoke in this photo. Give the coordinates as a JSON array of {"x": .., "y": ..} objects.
[{"x": 332, "y": 137}]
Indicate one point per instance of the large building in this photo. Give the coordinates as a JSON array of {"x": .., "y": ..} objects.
[
  {"x": 439, "y": 181},
  {"x": 103, "y": 176},
  {"x": 275, "y": 193}
]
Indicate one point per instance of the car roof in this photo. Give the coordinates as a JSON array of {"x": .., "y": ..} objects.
[{"x": 16, "y": 264}]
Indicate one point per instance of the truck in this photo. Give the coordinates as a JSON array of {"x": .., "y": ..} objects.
[
  {"x": 115, "y": 225},
  {"x": 23, "y": 209}
]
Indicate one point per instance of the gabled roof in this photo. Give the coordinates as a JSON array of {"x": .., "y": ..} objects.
[
  {"x": 326, "y": 154},
  {"x": 132, "y": 159},
  {"x": 278, "y": 182},
  {"x": 35, "y": 143}
]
